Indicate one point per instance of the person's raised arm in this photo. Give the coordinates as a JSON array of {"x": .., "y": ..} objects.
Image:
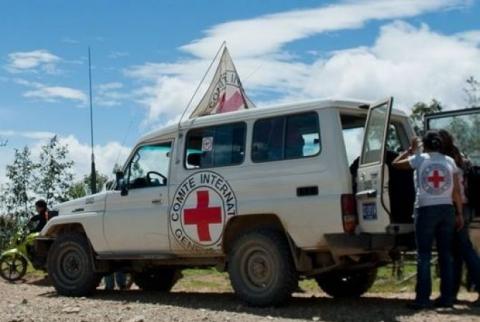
[
  {"x": 457, "y": 200},
  {"x": 401, "y": 162}
]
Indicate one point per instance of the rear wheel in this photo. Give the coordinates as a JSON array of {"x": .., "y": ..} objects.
[
  {"x": 70, "y": 266},
  {"x": 13, "y": 267},
  {"x": 261, "y": 268},
  {"x": 347, "y": 283},
  {"x": 159, "y": 280}
]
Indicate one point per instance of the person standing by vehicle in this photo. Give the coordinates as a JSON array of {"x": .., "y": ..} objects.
[
  {"x": 437, "y": 191},
  {"x": 42, "y": 217},
  {"x": 463, "y": 250}
]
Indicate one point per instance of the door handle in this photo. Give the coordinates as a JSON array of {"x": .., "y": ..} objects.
[
  {"x": 157, "y": 201},
  {"x": 367, "y": 194}
]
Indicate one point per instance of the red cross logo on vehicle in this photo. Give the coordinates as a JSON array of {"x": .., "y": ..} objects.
[
  {"x": 203, "y": 215},
  {"x": 201, "y": 207}
]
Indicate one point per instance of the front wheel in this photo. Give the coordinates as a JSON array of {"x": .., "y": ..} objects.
[
  {"x": 13, "y": 267},
  {"x": 347, "y": 284},
  {"x": 70, "y": 266},
  {"x": 261, "y": 268}
]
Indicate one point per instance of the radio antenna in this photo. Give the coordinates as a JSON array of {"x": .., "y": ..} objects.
[{"x": 93, "y": 175}]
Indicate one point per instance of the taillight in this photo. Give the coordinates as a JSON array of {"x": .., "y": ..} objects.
[{"x": 349, "y": 213}]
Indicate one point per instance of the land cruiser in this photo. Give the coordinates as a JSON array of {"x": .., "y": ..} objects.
[{"x": 270, "y": 195}]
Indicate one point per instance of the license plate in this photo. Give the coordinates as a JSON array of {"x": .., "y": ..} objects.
[{"x": 369, "y": 211}]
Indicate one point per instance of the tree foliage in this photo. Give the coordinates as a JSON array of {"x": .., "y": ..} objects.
[
  {"x": 420, "y": 109},
  {"x": 82, "y": 188},
  {"x": 55, "y": 175},
  {"x": 472, "y": 92},
  {"x": 17, "y": 195}
]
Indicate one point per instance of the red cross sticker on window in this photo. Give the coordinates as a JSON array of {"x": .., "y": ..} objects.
[
  {"x": 203, "y": 216},
  {"x": 436, "y": 179}
]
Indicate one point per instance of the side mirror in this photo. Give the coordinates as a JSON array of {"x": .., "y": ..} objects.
[{"x": 121, "y": 184}]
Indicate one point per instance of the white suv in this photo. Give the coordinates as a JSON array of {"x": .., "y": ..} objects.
[{"x": 269, "y": 194}]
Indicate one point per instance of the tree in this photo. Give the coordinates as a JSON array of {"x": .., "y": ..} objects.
[
  {"x": 82, "y": 188},
  {"x": 17, "y": 197},
  {"x": 420, "y": 109},
  {"x": 472, "y": 92},
  {"x": 55, "y": 176}
]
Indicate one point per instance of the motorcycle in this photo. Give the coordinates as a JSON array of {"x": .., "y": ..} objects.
[{"x": 14, "y": 262}]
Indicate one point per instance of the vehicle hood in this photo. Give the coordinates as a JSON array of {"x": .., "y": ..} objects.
[{"x": 91, "y": 203}]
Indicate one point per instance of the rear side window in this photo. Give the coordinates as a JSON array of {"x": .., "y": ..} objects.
[
  {"x": 215, "y": 146},
  {"x": 286, "y": 137}
]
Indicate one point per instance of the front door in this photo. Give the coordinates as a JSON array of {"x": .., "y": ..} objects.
[
  {"x": 464, "y": 126},
  {"x": 372, "y": 178},
  {"x": 136, "y": 223}
]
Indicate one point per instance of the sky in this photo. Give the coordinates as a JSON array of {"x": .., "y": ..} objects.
[{"x": 149, "y": 56}]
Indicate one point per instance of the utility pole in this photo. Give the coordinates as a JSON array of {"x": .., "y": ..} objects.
[{"x": 93, "y": 175}]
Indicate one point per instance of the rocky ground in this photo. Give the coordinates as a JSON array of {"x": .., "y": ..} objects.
[{"x": 35, "y": 300}]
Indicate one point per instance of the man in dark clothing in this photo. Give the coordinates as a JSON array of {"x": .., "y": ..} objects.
[{"x": 43, "y": 215}]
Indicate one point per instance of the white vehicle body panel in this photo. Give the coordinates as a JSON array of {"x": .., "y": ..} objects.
[{"x": 134, "y": 225}]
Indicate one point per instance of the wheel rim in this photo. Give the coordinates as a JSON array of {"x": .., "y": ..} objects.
[
  {"x": 258, "y": 269},
  {"x": 70, "y": 264},
  {"x": 12, "y": 267}
]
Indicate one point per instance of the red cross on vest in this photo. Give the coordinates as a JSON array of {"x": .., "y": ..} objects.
[
  {"x": 203, "y": 216},
  {"x": 436, "y": 179}
]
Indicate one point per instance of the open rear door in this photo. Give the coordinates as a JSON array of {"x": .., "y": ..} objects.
[
  {"x": 372, "y": 179},
  {"x": 464, "y": 125}
]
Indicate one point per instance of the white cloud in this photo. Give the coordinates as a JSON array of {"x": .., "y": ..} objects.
[
  {"x": 51, "y": 93},
  {"x": 54, "y": 93},
  {"x": 106, "y": 155},
  {"x": 35, "y": 135},
  {"x": 39, "y": 59},
  {"x": 412, "y": 64},
  {"x": 267, "y": 34},
  {"x": 110, "y": 94},
  {"x": 404, "y": 61},
  {"x": 118, "y": 54}
]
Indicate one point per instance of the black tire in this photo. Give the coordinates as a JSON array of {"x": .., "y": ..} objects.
[
  {"x": 158, "y": 280},
  {"x": 13, "y": 267},
  {"x": 70, "y": 266},
  {"x": 261, "y": 268},
  {"x": 347, "y": 284}
]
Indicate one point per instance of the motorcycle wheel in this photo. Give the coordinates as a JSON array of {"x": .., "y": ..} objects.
[{"x": 13, "y": 267}]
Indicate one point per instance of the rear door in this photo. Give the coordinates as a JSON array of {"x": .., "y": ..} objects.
[
  {"x": 464, "y": 125},
  {"x": 372, "y": 178}
]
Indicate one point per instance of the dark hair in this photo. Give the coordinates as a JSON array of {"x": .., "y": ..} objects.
[
  {"x": 449, "y": 148},
  {"x": 432, "y": 141},
  {"x": 41, "y": 203}
]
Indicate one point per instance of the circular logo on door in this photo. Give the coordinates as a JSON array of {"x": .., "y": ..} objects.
[{"x": 200, "y": 208}]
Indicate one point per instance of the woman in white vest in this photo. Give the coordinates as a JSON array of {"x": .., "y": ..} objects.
[{"x": 438, "y": 209}]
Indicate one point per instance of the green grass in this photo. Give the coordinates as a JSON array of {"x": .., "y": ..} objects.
[{"x": 385, "y": 283}]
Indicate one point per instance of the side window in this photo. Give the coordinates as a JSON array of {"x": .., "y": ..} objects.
[
  {"x": 149, "y": 166},
  {"x": 396, "y": 138},
  {"x": 372, "y": 149},
  {"x": 286, "y": 137},
  {"x": 215, "y": 146}
]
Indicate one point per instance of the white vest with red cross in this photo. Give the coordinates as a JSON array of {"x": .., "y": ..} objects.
[{"x": 434, "y": 175}]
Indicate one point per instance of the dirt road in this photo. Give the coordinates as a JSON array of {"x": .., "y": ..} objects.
[{"x": 35, "y": 301}]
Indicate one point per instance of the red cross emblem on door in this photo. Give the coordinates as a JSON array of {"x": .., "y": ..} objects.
[
  {"x": 203, "y": 216},
  {"x": 436, "y": 179}
]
